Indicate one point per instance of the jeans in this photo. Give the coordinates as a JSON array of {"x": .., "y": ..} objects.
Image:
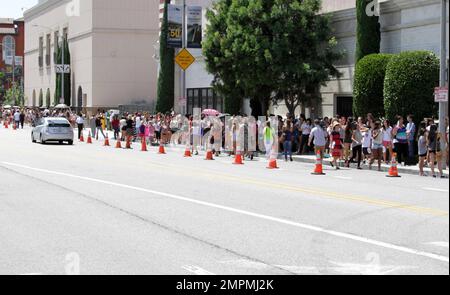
[{"x": 287, "y": 146}]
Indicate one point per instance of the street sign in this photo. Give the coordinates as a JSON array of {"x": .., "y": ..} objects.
[
  {"x": 441, "y": 94},
  {"x": 62, "y": 69},
  {"x": 184, "y": 59}
]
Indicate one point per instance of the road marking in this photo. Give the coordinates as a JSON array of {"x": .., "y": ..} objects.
[
  {"x": 247, "y": 213},
  {"x": 366, "y": 269},
  {"x": 197, "y": 270},
  {"x": 435, "y": 189},
  {"x": 439, "y": 244}
]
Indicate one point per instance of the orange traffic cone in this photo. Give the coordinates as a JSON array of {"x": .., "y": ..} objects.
[
  {"x": 393, "y": 171},
  {"x": 118, "y": 144},
  {"x": 144, "y": 145},
  {"x": 238, "y": 158},
  {"x": 319, "y": 167},
  {"x": 89, "y": 140},
  {"x": 6, "y": 124},
  {"x": 128, "y": 144},
  {"x": 106, "y": 140},
  {"x": 209, "y": 155},
  {"x": 273, "y": 161},
  {"x": 161, "y": 150},
  {"x": 14, "y": 126},
  {"x": 187, "y": 151},
  {"x": 81, "y": 137}
]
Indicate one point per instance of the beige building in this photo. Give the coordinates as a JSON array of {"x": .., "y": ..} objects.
[{"x": 112, "y": 51}]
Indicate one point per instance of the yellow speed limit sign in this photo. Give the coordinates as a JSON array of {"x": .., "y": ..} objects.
[{"x": 184, "y": 59}]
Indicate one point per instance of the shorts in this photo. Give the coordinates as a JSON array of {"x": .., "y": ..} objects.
[
  {"x": 423, "y": 156},
  {"x": 366, "y": 151},
  {"x": 387, "y": 143},
  {"x": 376, "y": 146}
]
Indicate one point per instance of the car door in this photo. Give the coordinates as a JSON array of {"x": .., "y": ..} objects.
[{"x": 39, "y": 127}]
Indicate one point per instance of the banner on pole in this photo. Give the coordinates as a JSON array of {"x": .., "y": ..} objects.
[
  {"x": 194, "y": 26},
  {"x": 175, "y": 24}
]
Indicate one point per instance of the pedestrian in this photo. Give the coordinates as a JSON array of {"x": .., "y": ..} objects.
[
  {"x": 411, "y": 133},
  {"x": 115, "y": 124},
  {"x": 357, "y": 138},
  {"x": 377, "y": 145},
  {"x": 400, "y": 140},
  {"x": 80, "y": 124},
  {"x": 22, "y": 118},
  {"x": 367, "y": 143},
  {"x": 336, "y": 144},
  {"x": 318, "y": 138},
  {"x": 268, "y": 139},
  {"x": 306, "y": 128},
  {"x": 387, "y": 141},
  {"x": 434, "y": 149},
  {"x": 348, "y": 134},
  {"x": 98, "y": 127},
  {"x": 423, "y": 150},
  {"x": 287, "y": 136},
  {"x": 17, "y": 118}
]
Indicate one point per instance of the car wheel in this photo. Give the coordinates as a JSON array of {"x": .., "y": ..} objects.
[
  {"x": 41, "y": 140},
  {"x": 32, "y": 138},
  {"x": 70, "y": 142}
]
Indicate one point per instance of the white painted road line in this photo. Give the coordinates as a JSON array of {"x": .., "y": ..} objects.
[
  {"x": 435, "y": 189},
  {"x": 197, "y": 270},
  {"x": 343, "y": 177},
  {"x": 247, "y": 213},
  {"x": 439, "y": 244}
]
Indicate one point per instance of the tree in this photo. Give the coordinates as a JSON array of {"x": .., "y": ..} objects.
[
  {"x": 368, "y": 86},
  {"x": 269, "y": 49},
  {"x": 368, "y": 30},
  {"x": 67, "y": 81},
  {"x": 166, "y": 85},
  {"x": 409, "y": 84}
]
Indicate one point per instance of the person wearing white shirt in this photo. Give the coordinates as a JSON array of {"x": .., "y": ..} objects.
[{"x": 80, "y": 124}]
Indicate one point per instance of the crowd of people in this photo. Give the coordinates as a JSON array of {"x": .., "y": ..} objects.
[{"x": 346, "y": 141}]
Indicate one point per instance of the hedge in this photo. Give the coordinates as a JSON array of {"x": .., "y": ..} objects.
[
  {"x": 369, "y": 85},
  {"x": 409, "y": 84}
]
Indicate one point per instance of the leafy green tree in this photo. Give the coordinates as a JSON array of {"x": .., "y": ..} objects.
[
  {"x": 67, "y": 80},
  {"x": 368, "y": 30},
  {"x": 409, "y": 84},
  {"x": 368, "y": 85},
  {"x": 269, "y": 49},
  {"x": 166, "y": 85}
]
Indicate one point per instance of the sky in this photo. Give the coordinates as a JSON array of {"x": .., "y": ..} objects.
[{"x": 13, "y": 8}]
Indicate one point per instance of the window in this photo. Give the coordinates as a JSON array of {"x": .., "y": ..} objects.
[
  {"x": 41, "y": 52},
  {"x": 204, "y": 98},
  {"x": 55, "y": 46},
  {"x": 47, "y": 50},
  {"x": 9, "y": 47}
]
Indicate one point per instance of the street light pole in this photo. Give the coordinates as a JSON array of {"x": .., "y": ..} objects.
[
  {"x": 63, "y": 68},
  {"x": 443, "y": 106},
  {"x": 183, "y": 72}
]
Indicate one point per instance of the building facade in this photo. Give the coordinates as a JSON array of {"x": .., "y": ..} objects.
[
  {"x": 112, "y": 50},
  {"x": 405, "y": 24},
  {"x": 12, "y": 41}
]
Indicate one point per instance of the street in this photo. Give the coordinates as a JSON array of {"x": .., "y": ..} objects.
[{"x": 90, "y": 209}]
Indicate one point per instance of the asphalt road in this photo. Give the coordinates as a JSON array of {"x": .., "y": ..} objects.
[{"x": 90, "y": 209}]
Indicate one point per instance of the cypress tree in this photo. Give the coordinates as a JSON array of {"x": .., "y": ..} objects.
[
  {"x": 67, "y": 81},
  {"x": 368, "y": 31},
  {"x": 166, "y": 95}
]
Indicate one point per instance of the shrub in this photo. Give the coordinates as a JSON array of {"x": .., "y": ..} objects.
[
  {"x": 369, "y": 85},
  {"x": 409, "y": 84}
]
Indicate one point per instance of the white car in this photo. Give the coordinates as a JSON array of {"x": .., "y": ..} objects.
[{"x": 52, "y": 129}]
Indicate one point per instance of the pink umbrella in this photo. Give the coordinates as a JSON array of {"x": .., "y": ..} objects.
[{"x": 210, "y": 112}]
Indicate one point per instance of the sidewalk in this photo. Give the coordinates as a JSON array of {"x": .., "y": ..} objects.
[{"x": 414, "y": 170}]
